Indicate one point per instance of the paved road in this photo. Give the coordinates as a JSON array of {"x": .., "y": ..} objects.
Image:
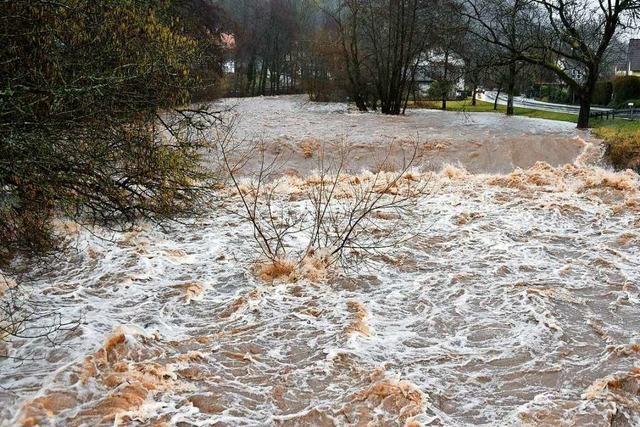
[{"x": 520, "y": 101}]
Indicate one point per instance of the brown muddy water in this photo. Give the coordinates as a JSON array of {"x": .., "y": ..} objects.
[
  {"x": 480, "y": 142},
  {"x": 514, "y": 303}
]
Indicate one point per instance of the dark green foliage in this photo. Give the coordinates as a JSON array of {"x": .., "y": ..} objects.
[
  {"x": 555, "y": 93},
  {"x": 85, "y": 131},
  {"x": 440, "y": 88},
  {"x": 603, "y": 93},
  {"x": 624, "y": 89}
]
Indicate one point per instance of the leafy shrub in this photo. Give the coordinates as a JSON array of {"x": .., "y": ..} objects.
[
  {"x": 84, "y": 129},
  {"x": 603, "y": 93},
  {"x": 626, "y": 88},
  {"x": 439, "y": 88},
  {"x": 623, "y": 143},
  {"x": 554, "y": 93}
]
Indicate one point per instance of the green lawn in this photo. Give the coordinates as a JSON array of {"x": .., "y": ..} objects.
[
  {"x": 487, "y": 107},
  {"x": 622, "y": 136}
]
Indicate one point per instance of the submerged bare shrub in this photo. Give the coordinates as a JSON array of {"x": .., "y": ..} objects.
[
  {"x": 26, "y": 317},
  {"x": 302, "y": 227}
]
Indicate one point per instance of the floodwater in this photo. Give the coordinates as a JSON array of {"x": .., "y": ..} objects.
[
  {"x": 515, "y": 301},
  {"x": 481, "y": 142}
]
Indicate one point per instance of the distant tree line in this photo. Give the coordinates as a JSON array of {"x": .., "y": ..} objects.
[{"x": 374, "y": 51}]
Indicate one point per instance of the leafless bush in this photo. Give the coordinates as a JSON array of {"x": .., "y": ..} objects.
[{"x": 303, "y": 226}]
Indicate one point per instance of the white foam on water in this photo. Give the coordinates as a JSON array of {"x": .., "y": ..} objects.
[{"x": 503, "y": 310}]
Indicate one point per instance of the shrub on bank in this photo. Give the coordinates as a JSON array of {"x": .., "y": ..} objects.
[
  {"x": 84, "y": 129},
  {"x": 623, "y": 142},
  {"x": 624, "y": 89},
  {"x": 603, "y": 93}
]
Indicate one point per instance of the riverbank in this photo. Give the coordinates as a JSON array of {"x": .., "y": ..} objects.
[
  {"x": 623, "y": 142},
  {"x": 622, "y": 137},
  {"x": 487, "y": 107}
]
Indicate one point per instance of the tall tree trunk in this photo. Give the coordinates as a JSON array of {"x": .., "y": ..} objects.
[
  {"x": 411, "y": 88},
  {"x": 495, "y": 101},
  {"x": 251, "y": 77},
  {"x": 263, "y": 78},
  {"x": 360, "y": 101},
  {"x": 585, "y": 109},
  {"x": 586, "y": 96},
  {"x": 473, "y": 95},
  {"x": 445, "y": 89},
  {"x": 511, "y": 85}
]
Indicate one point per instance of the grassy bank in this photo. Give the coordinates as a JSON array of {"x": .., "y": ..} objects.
[
  {"x": 621, "y": 136},
  {"x": 623, "y": 141},
  {"x": 487, "y": 107}
]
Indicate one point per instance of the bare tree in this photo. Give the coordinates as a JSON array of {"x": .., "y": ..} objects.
[
  {"x": 342, "y": 213},
  {"x": 382, "y": 39},
  {"x": 568, "y": 37},
  {"x": 347, "y": 17},
  {"x": 447, "y": 46},
  {"x": 504, "y": 24}
]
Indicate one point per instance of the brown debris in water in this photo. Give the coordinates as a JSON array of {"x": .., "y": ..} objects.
[
  {"x": 190, "y": 291},
  {"x": 625, "y": 349},
  {"x": 240, "y": 357},
  {"x": 466, "y": 217},
  {"x": 566, "y": 413},
  {"x": 309, "y": 147},
  {"x": 626, "y": 181},
  {"x": 630, "y": 204},
  {"x": 624, "y": 389},
  {"x": 454, "y": 172},
  {"x": 176, "y": 255},
  {"x": 314, "y": 417},
  {"x": 207, "y": 404},
  {"x": 557, "y": 294},
  {"x": 192, "y": 356},
  {"x": 542, "y": 175},
  {"x": 385, "y": 398},
  {"x": 358, "y": 324},
  {"x": 279, "y": 269},
  {"x": 240, "y": 302},
  {"x": 599, "y": 328},
  {"x": 312, "y": 267},
  {"x": 123, "y": 374},
  {"x": 43, "y": 407},
  {"x": 627, "y": 238},
  {"x": 434, "y": 146}
]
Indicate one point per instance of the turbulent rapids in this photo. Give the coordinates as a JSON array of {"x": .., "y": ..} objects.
[{"x": 515, "y": 302}]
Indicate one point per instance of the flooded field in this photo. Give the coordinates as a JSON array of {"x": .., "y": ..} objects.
[
  {"x": 515, "y": 301},
  {"x": 481, "y": 142}
]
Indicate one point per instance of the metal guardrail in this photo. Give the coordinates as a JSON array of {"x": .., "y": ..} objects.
[
  {"x": 596, "y": 112},
  {"x": 623, "y": 113},
  {"x": 546, "y": 106}
]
